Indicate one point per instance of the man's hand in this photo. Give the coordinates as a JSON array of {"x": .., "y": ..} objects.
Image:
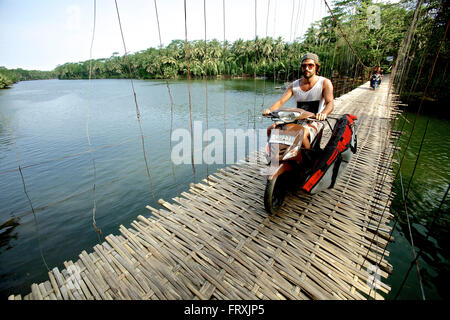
[
  {"x": 321, "y": 116},
  {"x": 266, "y": 112}
]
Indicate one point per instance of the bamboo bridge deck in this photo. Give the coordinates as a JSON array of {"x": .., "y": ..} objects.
[{"x": 217, "y": 242}]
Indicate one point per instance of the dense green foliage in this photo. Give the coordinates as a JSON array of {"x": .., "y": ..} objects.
[
  {"x": 373, "y": 35},
  {"x": 425, "y": 61},
  {"x": 273, "y": 58},
  {"x": 10, "y": 76}
]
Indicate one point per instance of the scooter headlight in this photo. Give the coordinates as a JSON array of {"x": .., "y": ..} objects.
[{"x": 287, "y": 116}]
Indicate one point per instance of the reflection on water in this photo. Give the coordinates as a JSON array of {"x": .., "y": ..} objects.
[
  {"x": 7, "y": 233},
  {"x": 430, "y": 227},
  {"x": 48, "y": 120}
]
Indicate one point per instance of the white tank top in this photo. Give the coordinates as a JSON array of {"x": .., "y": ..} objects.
[{"x": 313, "y": 97}]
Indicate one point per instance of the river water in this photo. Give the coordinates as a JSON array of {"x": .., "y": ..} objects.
[{"x": 43, "y": 125}]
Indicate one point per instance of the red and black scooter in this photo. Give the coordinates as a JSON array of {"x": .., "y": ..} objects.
[{"x": 292, "y": 167}]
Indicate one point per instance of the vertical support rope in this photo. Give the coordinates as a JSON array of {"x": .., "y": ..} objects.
[
  {"x": 296, "y": 21},
  {"x": 343, "y": 34},
  {"x": 224, "y": 88},
  {"x": 292, "y": 19},
  {"x": 267, "y": 19},
  {"x": 409, "y": 139},
  {"x": 94, "y": 208},
  {"x": 266, "y": 58},
  {"x": 138, "y": 114},
  {"x": 25, "y": 190},
  {"x": 406, "y": 210},
  {"x": 189, "y": 86},
  {"x": 426, "y": 89},
  {"x": 274, "y": 43},
  {"x": 426, "y": 238},
  {"x": 170, "y": 97},
  {"x": 406, "y": 44},
  {"x": 254, "y": 65},
  {"x": 206, "y": 94}
]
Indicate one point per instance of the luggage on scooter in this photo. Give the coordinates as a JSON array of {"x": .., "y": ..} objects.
[{"x": 335, "y": 156}]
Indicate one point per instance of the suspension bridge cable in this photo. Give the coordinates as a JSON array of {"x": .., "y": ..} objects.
[
  {"x": 186, "y": 55},
  {"x": 224, "y": 82},
  {"x": 62, "y": 200},
  {"x": 419, "y": 254},
  {"x": 275, "y": 45},
  {"x": 403, "y": 83},
  {"x": 94, "y": 208},
  {"x": 396, "y": 219},
  {"x": 170, "y": 96},
  {"x": 296, "y": 20},
  {"x": 392, "y": 150},
  {"x": 295, "y": 31},
  {"x": 254, "y": 64},
  {"x": 334, "y": 56},
  {"x": 292, "y": 19},
  {"x": 407, "y": 214},
  {"x": 138, "y": 113},
  {"x": 406, "y": 44},
  {"x": 303, "y": 31},
  {"x": 426, "y": 88},
  {"x": 206, "y": 93},
  {"x": 416, "y": 81},
  {"x": 377, "y": 194},
  {"x": 266, "y": 56},
  {"x": 274, "y": 18},
  {"x": 267, "y": 19},
  {"x": 25, "y": 190},
  {"x": 410, "y": 60},
  {"x": 413, "y": 126},
  {"x": 343, "y": 34},
  {"x": 405, "y": 196},
  {"x": 387, "y": 201}
]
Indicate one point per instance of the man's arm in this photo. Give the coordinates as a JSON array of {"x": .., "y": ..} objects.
[
  {"x": 329, "y": 100},
  {"x": 280, "y": 102}
]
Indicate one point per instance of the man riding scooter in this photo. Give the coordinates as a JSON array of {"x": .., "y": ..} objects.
[
  {"x": 314, "y": 99},
  {"x": 376, "y": 78},
  {"x": 312, "y": 93},
  {"x": 293, "y": 149}
]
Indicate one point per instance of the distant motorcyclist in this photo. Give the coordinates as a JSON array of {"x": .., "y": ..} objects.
[
  {"x": 376, "y": 78},
  {"x": 313, "y": 93}
]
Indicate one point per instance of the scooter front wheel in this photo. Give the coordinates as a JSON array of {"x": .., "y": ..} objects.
[{"x": 274, "y": 195}]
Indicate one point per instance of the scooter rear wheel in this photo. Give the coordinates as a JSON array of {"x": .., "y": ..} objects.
[{"x": 274, "y": 195}]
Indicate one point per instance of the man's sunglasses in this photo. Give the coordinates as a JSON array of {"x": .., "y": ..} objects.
[{"x": 309, "y": 65}]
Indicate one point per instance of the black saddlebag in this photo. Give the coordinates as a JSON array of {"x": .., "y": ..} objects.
[{"x": 335, "y": 156}]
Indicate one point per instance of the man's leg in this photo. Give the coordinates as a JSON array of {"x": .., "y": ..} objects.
[
  {"x": 269, "y": 130},
  {"x": 305, "y": 143}
]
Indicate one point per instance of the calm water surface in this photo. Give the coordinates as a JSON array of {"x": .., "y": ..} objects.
[
  {"x": 48, "y": 120},
  {"x": 427, "y": 188}
]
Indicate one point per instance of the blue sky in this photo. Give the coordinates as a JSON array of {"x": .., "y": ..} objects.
[{"x": 42, "y": 34}]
